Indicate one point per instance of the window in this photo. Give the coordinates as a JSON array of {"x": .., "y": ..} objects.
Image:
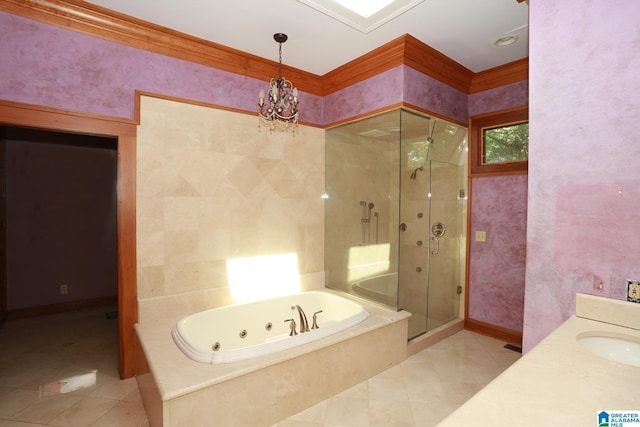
[
  {"x": 500, "y": 142},
  {"x": 506, "y": 144}
]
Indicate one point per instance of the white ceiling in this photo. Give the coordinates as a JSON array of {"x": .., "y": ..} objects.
[{"x": 464, "y": 30}]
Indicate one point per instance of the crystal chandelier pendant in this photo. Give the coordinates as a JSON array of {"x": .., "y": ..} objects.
[{"x": 278, "y": 108}]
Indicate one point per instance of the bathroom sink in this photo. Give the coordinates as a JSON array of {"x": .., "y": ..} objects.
[{"x": 615, "y": 347}]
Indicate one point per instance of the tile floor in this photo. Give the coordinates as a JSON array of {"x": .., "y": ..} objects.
[{"x": 61, "y": 370}]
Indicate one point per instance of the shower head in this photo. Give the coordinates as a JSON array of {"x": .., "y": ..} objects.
[
  {"x": 415, "y": 172},
  {"x": 371, "y": 205}
]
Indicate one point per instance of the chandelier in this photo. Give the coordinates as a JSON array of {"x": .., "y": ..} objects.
[{"x": 279, "y": 111}]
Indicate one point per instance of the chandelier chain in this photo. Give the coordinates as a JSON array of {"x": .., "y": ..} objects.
[{"x": 280, "y": 61}]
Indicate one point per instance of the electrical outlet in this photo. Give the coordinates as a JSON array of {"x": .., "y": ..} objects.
[
  {"x": 633, "y": 290},
  {"x": 64, "y": 289},
  {"x": 481, "y": 236}
]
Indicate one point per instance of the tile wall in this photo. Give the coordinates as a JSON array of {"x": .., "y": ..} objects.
[{"x": 211, "y": 186}]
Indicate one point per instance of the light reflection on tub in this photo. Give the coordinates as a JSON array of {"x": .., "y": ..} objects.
[
  {"x": 244, "y": 331},
  {"x": 382, "y": 289}
]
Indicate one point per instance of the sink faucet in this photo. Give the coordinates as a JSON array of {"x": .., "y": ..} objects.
[{"x": 304, "y": 325}]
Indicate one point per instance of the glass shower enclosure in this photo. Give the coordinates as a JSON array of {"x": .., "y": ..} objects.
[{"x": 395, "y": 214}]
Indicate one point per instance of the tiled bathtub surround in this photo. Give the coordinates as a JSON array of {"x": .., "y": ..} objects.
[
  {"x": 211, "y": 187},
  {"x": 178, "y": 391}
]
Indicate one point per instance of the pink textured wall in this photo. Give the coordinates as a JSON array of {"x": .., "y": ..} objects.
[
  {"x": 501, "y": 98},
  {"x": 497, "y": 266},
  {"x": 433, "y": 95},
  {"x": 584, "y": 179},
  {"x": 47, "y": 65},
  {"x": 368, "y": 95}
]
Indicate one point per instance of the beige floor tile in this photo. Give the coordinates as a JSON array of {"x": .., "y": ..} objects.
[
  {"x": 384, "y": 387},
  {"x": 9, "y": 423},
  {"x": 390, "y": 413},
  {"x": 46, "y": 408},
  {"x": 298, "y": 423},
  {"x": 359, "y": 391},
  {"x": 116, "y": 390},
  {"x": 85, "y": 412},
  {"x": 15, "y": 401},
  {"x": 423, "y": 385},
  {"x": 315, "y": 414},
  {"x": 428, "y": 414},
  {"x": 124, "y": 414},
  {"x": 347, "y": 411},
  {"x": 134, "y": 395}
]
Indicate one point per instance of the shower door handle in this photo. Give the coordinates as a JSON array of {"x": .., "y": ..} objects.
[{"x": 435, "y": 239}]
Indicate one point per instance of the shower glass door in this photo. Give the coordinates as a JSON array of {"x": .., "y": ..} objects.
[{"x": 432, "y": 212}]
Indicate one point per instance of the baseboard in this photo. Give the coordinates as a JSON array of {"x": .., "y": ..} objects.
[
  {"x": 498, "y": 332},
  {"x": 44, "y": 310}
]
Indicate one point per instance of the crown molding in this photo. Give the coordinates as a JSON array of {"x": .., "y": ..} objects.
[
  {"x": 97, "y": 21},
  {"x": 503, "y": 75},
  {"x": 381, "y": 59},
  {"x": 431, "y": 62}
]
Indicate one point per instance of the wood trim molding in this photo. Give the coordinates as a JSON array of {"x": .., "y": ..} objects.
[
  {"x": 429, "y": 61},
  {"x": 20, "y": 114},
  {"x": 503, "y": 75},
  {"x": 498, "y": 332},
  {"x": 382, "y": 59},
  {"x": 97, "y": 21}
]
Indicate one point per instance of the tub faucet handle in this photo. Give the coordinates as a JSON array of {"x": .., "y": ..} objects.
[
  {"x": 315, "y": 321},
  {"x": 292, "y": 325}
]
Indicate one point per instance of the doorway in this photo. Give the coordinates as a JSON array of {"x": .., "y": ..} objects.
[
  {"x": 60, "y": 204},
  {"x": 124, "y": 131}
]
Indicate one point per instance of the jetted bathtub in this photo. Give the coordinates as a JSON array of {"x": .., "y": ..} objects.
[{"x": 248, "y": 330}]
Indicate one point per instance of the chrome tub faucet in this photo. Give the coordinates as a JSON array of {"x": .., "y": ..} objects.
[{"x": 304, "y": 325}]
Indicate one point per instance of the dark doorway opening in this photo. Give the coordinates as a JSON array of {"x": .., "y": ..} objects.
[{"x": 60, "y": 221}]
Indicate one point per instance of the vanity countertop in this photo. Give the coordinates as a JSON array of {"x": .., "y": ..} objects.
[{"x": 558, "y": 382}]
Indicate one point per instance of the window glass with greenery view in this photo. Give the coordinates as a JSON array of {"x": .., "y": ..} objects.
[{"x": 506, "y": 144}]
